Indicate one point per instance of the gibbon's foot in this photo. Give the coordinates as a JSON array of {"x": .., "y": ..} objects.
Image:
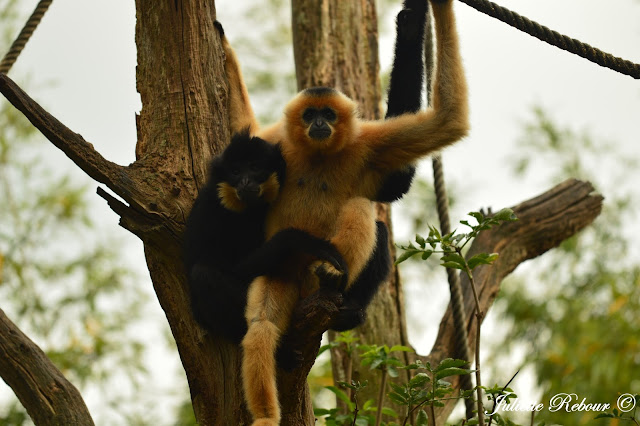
[
  {"x": 348, "y": 318},
  {"x": 411, "y": 19},
  {"x": 329, "y": 276},
  {"x": 288, "y": 357}
]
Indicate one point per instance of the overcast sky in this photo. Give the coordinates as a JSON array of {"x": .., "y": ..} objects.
[{"x": 86, "y": 48}]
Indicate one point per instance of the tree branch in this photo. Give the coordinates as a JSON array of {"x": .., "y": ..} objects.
[
  {"x": 131, "y": 183},
  {"x": 543, "y": 223},
  {"x": 49, "y": 398},
  {"x": 72, "y": 144}
]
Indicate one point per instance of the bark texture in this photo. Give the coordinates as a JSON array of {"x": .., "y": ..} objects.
[
  {"x": 184, "y": 122},
  {"x": 48, "y": 397}
]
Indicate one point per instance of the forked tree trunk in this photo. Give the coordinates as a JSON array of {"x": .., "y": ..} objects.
[{"x": 184, "y": 122}]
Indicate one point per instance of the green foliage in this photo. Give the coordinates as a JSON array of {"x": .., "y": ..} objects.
[
  {"x": 427, "y": 387},
  {"x": 379, "y": 358},
  {"x": 574, "y": 311},
  {"x": 450, "y": 246}
]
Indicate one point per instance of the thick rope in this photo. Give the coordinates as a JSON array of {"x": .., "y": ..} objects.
[
  {"x": 461, "y": 336},
  {"x": 22, "y": 39},
  {"x": 554, "y": 38}
]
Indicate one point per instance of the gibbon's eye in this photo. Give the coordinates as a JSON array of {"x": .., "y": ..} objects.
[
  {"x": 309, "y": 114},
  {"x": 328, "y": 114}
]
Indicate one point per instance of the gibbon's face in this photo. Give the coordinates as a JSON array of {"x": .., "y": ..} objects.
[
  {"x": 319, "y": 121},
  {"x": 321, "y": 118},
  {"x": 247, "y": 173}
]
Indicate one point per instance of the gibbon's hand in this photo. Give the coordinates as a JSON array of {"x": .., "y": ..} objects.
[{"x": 330, "y": 277}]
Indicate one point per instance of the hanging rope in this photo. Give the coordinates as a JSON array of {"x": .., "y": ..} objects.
[
  {"x": 24, "y": 36},
  {"x": 554, "y": 38}
]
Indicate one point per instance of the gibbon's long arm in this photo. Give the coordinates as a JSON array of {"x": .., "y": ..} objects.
[
  {"x": 400, "y": 140},
  {"x": 240, "y": 111}
]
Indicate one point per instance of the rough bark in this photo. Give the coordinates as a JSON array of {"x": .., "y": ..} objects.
[
  {"x": 48, "y": 397},
  {"x": 183, "y": 122}
]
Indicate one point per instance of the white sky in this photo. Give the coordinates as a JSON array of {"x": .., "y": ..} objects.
[{"x": 87, "y": 49}]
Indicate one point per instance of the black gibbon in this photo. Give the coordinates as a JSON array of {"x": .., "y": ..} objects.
[{"x": 336, "y": 164}]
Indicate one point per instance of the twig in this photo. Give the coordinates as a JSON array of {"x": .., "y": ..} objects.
[
  {"x": 383, "y": 383},
  {"x": 479, "y": 316}
]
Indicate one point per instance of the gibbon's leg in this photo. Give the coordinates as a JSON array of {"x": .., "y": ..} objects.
[
  {"x": 354, "y": 237},
  {"x": 241, "y": 114},
  {"x": 353, "y": 311},
  {"x": 270, "y": 304}
]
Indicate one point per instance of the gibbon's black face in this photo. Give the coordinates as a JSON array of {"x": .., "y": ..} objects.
[
  {"x": 248, "y": 172},
  {"x": 319, "y": 121}
]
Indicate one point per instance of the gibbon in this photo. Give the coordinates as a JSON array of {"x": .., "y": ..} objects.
[{"x": 336, "y": 164}]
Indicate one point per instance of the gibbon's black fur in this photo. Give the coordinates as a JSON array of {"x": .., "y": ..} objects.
[
  {"x": 224, "y": 245},
  {"x": 405, "y": 86}
]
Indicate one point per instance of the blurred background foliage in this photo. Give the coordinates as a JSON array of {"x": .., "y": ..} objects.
[
  {"x": 568, "y": 321},
  {"x": 61, "y": 282}
]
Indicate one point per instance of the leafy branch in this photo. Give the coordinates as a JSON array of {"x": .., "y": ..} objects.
[{"x": 451, "y": 246}]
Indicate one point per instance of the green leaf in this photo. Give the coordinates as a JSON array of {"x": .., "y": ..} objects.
[
  {"x": 452, "y": 265},
  {"x": 392, "y": 371},
  {"x": 400, "y": 348},
  {"x": 604, "y": 415},
  {"x": 389, "y": 412},
  {"x": 406, "y": 255},
  {"x": 419, "y": 380},
  {"x": 427, "y": 254},
  {"x": 422, "y": 419},
  {"x": 362, "y": 421},
  {"x": 376, "y": 363},
  {"x": 453, "y": 371},
  {"x": 450, "y": 362},
  {"x": 420, "y": 240},
  {"x": 482, "y": 259},
  {"x": 341, "y": 395},
  {"x": 477, "y": 216},
  {"x": 505, "y": 215},
  {"x": 397, "y": 398}
]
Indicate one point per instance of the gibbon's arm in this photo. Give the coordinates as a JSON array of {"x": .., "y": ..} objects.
[
  {"x": 241, "y": 114},
  {"x": 398, "y": 141},
  {"x": 278, "y": 250}
]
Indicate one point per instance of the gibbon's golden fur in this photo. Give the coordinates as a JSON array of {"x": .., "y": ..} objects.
[{"x": 336, "y": 163}]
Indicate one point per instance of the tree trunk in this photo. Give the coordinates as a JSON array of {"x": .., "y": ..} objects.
[{"x": 184, "y": 122}]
